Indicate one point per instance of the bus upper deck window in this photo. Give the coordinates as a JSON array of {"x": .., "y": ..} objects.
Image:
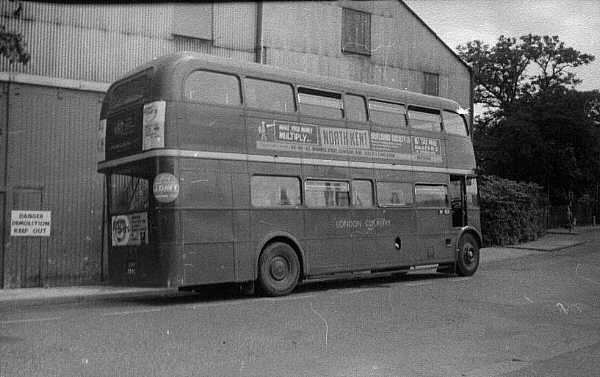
[
  {"x": 269, "y": 95},
  {"x": 355, "y": 108},
  {"x": 424, "y": 119},
  {"x": 387, "y": 113},
  {"x": 212, "y": 87},
  {"x": 320, "y": 103},
  {"x": 455, "y": 123}
]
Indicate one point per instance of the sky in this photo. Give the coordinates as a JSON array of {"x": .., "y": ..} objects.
[{"x": 576, "y": 22}]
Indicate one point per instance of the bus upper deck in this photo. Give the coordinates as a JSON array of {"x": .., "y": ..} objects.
[{"x": 223, "y": 106}]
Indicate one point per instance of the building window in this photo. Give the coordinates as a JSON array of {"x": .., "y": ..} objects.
[
  {"x": 431, "y": 84},
  {"x": 356, "y": 32}
]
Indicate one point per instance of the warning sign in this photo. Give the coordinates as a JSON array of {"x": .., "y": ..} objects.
[{"x": 25, "y": 223}]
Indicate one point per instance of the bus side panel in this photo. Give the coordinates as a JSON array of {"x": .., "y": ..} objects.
[
  {"x": 460, "y": 152},
  {"x": 208, "y": 263},
  {"x": 245, "y": 253},
  {"x": 328, "y": 242},
  {"x": 473, "y": 217},
  {"x": 208, "y": 246},
  {"x": 366, "y": 225},
  {"x": 433, "y": 225},
  {"x": 265, "y": 222},
  {"x": 399, "y": 227},
  {"x": 211, "y": 128},
  {"x": 147, "y": 265}
]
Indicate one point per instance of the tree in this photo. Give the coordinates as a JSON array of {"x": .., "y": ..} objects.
[
  {"x": 548, "y": 140},
  {"x": 517, "y": 69},
  {"x": 12, "y": 45}
]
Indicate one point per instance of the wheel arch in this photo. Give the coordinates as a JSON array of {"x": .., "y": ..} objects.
[
  {"x": 472, "y": 231},
  {"x": 285, "y": 238}
]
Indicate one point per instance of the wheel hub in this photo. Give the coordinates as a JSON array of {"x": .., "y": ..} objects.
[
  {"x": 469, "y": 254},
  {"x": 279, "y": 268}
]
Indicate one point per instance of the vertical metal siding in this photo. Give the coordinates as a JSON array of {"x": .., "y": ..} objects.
[
  {"x": 51, "y": 134},
  {"x": 101, "y": 42},
  {"x": 235, "y": 25}
]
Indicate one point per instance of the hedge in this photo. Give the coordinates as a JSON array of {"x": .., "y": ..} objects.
[{"x": 511, "y": 212}]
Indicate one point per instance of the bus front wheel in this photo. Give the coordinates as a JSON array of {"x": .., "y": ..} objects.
[
  {"x": 468, "y": 255},
  {"x": 278, "y": 269}
]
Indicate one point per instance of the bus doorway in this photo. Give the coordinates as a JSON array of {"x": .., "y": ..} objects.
[{"x": 458, "y": 200}]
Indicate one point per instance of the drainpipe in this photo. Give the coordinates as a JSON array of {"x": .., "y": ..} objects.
[{"x": 258, "y": 46}]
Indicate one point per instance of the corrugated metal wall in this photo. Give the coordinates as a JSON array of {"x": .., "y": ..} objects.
[
  {"x": 101, "y": 42},
  {"x": 50, "y": 135},
  {"x": 306, "y": 36}
]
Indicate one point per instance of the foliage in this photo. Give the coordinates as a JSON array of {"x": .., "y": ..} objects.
[
  {"x": 537, "y": 128},
  {"x": 516, "y": 69},
  {"x": 12, "y": 45},
  {"x": 548, "y": 140},
  {"x": 511, "y": 212}
]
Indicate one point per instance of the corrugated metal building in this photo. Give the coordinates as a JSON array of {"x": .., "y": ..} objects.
[{"x": 49, "y": 108}]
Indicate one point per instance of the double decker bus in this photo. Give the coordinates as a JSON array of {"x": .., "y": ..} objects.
[{"x": 222, "y": 171}]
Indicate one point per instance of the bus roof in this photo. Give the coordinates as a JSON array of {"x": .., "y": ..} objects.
[{"x": 175, "y": 67}]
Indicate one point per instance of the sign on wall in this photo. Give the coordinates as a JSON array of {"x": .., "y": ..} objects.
[{"x": 25, "y": 223}]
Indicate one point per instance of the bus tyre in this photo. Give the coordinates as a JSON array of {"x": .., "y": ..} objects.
[
  {"x": 278, "y": 269},
  {"x": 468, "y": 255}
]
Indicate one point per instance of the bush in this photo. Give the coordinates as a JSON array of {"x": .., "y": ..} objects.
[{"x": 511, "y": 212}]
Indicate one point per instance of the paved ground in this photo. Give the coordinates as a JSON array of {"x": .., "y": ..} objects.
[
  {"x": 557, "y": 239},
  {"x": 524, "y": 313}
]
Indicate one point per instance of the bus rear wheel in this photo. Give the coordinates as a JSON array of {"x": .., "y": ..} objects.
[
  {"x": 468, "y": 255},
  {"x": 278, "y": 269}
]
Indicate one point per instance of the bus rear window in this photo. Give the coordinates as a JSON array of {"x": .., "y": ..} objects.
[
  {"x": 128, "y": 194},
  {"x": 213, "y": 87},
  {"x": 131, "y": 90},
  {"x": 424, "y": 119}
]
